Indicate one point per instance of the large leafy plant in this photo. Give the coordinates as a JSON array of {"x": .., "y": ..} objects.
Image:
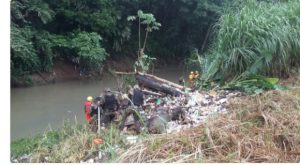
[{"x": 144, "y": 61}]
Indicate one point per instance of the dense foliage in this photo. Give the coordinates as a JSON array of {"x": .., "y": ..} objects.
[
  {"x": 43, "y": 31},
  {"x": 234, "y": 38},
  {"x": 262, "y": 38}
]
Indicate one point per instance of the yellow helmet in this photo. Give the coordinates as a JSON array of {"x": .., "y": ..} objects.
[{"x": 89, "y": 98}]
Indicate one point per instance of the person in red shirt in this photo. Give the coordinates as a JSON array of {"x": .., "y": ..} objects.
[{"x": 87, "y": 109}]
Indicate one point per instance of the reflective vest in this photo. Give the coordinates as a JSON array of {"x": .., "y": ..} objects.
[{"x": 87, "y": 111}]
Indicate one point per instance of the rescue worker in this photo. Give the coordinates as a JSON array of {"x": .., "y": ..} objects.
[
  {"x": 138, "y": 96},
  {"x": 87, "y": 109},
  {"x": 94, "y": 113},
  {"x": 191, "y": 79},
  {"x": 138, "y": 100},
  {"x": 110, "y": 107}
]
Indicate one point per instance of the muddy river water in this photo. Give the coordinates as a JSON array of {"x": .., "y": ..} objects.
[{"x": 40, "y": 108}]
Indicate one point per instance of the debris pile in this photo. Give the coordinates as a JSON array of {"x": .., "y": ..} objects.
[{"x": 173, "y": 114}]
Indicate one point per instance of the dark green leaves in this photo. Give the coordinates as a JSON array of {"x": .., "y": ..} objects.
[{"x": 86, "y": 45}]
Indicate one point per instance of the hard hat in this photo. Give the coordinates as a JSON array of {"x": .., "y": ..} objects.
[
  {"x": 192, "y": 72},
  {"x": 197, "y": 72},
  {"x": 89, "y": 98}
]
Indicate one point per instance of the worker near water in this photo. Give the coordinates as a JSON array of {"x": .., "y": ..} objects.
[
  {"x": 110, "y": 107},
  {"x": 96, "y": 104},
  {"x": 87, "y": 109},
  {"x": 138, "y": 100}
]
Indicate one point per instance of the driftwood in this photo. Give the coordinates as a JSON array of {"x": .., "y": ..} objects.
[
  {"x": 124, "y": 73},
  {"x": 158, "y": 84},
  {"x": 147, "y": 92}
]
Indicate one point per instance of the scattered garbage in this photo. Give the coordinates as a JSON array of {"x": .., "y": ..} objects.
[
  {"x": 132, "y": 139},
  {"x": 185, "y": 111}
]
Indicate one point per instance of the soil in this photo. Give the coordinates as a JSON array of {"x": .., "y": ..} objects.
[{"x": 66, "y": 71}]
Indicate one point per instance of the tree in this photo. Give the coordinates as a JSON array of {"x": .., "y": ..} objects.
[{"x": 149, "y": 20}]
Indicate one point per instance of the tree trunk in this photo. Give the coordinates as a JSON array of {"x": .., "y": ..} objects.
[{"x": 158, "y": 84}]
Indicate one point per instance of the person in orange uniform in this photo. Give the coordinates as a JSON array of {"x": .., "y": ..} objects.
[{"x": 87, "y": 109}]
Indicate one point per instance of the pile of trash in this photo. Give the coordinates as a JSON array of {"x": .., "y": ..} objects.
[
  {"x": 177, "y": 113},
  {"x": 202, "y": 106}
]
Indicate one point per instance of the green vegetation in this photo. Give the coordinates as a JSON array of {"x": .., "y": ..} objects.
[
  {"x": 262, "y": 38},
  {"x": 242, "y": 45},
  {"x": 28, "y": 145},
  {"x": 71, "y": 143},
  {"x": 44, "y": 31},
  {"x": 144, "y": 61}
]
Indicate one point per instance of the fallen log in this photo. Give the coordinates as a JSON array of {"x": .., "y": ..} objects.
[
  {"x": 124, "y": 73},
  {"x": 147, "y": 92},
  {"x": 158, "y": 79},
  {"x": 158, "y": 84}
]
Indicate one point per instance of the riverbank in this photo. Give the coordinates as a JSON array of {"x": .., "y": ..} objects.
[
  {"x": 66, "y": 71},
  {"x": 261, "y": 128}
]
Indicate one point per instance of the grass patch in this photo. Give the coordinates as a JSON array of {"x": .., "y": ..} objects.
[{"x": 28, "y": 145}]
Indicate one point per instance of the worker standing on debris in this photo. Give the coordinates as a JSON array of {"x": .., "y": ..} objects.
[
  {"x": 110, "y": 107},
  {"x": 191, "y": 79},
  {"x": 138, "y": 100},
  {"x": 138, "y": 96},
  {"x": 87, "y": 109}
]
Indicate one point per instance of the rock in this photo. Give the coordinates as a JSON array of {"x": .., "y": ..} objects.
[{"x": 158, "y": 123}]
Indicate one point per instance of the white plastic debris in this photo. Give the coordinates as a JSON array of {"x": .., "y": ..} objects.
[{"x": 132, "y": 139}]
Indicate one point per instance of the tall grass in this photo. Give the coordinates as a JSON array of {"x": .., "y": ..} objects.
[{"x": 262, "y": 38}]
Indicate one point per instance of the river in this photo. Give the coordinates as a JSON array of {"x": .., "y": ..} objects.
[{"x": 40, "y": 108}]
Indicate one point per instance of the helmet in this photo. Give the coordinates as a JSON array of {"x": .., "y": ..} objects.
[
  {"x": 192, "y": 72},
  {"x": 197, "y": 72},
  {"x": 89, "y": 98}
]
